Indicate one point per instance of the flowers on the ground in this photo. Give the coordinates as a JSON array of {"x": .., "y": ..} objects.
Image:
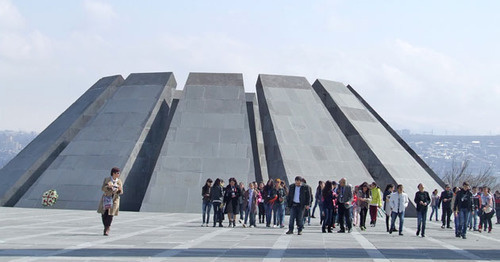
[{"x": 49, "y": 198}]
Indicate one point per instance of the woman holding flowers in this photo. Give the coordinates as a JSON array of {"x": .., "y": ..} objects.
[{"x": 110, "y": 200}]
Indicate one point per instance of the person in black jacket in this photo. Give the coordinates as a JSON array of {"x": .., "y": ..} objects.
[
  {"x": 327, "y": 207},
  {"x": 463, "y": 207},
  {"x": 298, "y": 200},
  {"x": 445, "y": 202},
  {"x": 269, "y": 197},
  {"x": 422, "y": 199},
  {"x": 206, "y": 205},
  {"x": 317, "y": 198},
  {"x": 217, "y": 198},
  {"x": 231, "y": 199}
]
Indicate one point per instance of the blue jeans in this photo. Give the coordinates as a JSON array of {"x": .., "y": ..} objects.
[
  {"x": 316, "y": 203},
  {"x": 457, "y": 224},
  {"x": 279, "y": 214},
  {"x": 463, "y": 217},
  {"x": 249, "y": 213},
  {"x": 217, "y": 213},
  {"x": 473, "y": 216},
  {"x": 205, "y": 210},
  {"x": 296, "y": 214},
  {"x": 434, "y": 209},
  {"x": 401, "y": 216},
  {"x": 421, "y": 217},
  {"x": 328, "y": 222},
  {"x": 269, "y": 213}
]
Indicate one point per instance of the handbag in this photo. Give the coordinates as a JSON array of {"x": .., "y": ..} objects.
[{"x": 107, "y": 202}]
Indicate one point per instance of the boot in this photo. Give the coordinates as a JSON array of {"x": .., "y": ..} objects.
[{"x": 330, "y": 229}]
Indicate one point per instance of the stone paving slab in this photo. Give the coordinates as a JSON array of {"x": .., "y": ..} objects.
[{"x": 75, "y": 235}]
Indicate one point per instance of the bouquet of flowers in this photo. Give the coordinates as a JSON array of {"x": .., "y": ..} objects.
[{"x": 49, "y": 198}]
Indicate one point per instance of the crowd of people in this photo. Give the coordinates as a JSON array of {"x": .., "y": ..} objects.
[{"x": 340, "y": 204}]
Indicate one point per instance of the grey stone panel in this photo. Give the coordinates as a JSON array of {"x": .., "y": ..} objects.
[
  {"x": 385, "y": 158},
  {"x": 22, "y": 171},
  {"x": 259, "y": 155},
  {"x": 209, "y": 137},
  {"x": 122, "y": 134},
  {"x": 398, "y": 138},
  {"x": 300, "y": 136}
]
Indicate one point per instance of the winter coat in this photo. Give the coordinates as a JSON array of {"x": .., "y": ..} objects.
[
  {"x": 113, "y": 211},
  {"x": 253, "y": 201}
]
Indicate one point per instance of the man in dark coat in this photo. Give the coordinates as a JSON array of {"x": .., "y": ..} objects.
[
  {"x": 445, "y": 199},
  {"x": 298, "y": 200},
  {"x": 463, "y": 206}
]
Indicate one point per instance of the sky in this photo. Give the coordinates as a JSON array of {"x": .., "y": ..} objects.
[{"x": 426, "y": 66}]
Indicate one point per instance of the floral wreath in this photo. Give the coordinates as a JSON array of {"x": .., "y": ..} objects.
[{"x": 49, "y": 198}]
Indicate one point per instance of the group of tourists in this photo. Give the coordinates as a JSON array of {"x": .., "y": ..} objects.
[
  {"x": 342, "y": 205},
  {"x": 468, "y": 206},
  {"x": 339, "y": 205}
]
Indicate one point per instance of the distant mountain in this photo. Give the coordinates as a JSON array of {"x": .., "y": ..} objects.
[{"x": 12, "y": 142}]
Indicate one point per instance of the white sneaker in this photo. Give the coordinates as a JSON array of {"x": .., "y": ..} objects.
[
  {"x": 202, "y": 225},
  {"x": 274, "y": 226},
  {"x": 206, "y": 225},
  {"x": 244, "y": 225},
  {"x": 251, "y": 226}
]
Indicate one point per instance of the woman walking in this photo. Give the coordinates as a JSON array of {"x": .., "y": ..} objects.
[
  {"x": 278, "y": 209},
  {"x": 387, "y": 207},
  {"x": 109, "y": 205},
  {"x": 364, "y": 199},
  {"x": 317, "y": 198},
  {"x": 231, "y": 199},
  {"x": 217, "y": 197},
  {"x": 434, "y": 204},
  {"x": 399, "y": 202},
  {"x": 327, "y": 207},
  {"x": 240, "y": 199},
  {"x": 250, "y": 198},
  {"x": 269, "y": 198},
  {"x": 422, "y": 199},
  {"x": 206, "y": 204},
  {"x": 487, "y": 208},
  {"x": 262, "y": 209},
  {"x": 375, "y": 203}
]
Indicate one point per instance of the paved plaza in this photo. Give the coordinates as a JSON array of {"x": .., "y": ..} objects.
[{"x": 75, "y": 235}]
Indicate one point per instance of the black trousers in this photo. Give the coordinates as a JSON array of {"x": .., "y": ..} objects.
[
  {"x": 344, "y": 217},
  {"x": 445, "y": 217},
  {"x": 107, "y": 219},
  {"x": 362, "y": 215}
]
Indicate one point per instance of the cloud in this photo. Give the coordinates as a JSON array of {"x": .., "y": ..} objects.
[
  {"x": 99, "y": 11},
  {"x": 10, "y": 18}
]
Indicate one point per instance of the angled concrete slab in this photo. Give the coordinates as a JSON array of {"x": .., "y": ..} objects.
[
  {"x": 384, "y": 156},
  {"x": 121, "y": 134},
  {"x": 300, "y": 136},
  {"x": 209, "y": 137},
  {"x": 22, "y": 171}
]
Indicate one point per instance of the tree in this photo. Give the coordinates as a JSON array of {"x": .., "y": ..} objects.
[{"x": 460, "y": 172}]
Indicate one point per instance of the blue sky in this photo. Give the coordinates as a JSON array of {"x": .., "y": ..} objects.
[{"x": 423, "y": 65}]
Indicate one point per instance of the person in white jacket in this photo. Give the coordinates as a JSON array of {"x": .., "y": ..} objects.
[{"x": 398, "y": 203}]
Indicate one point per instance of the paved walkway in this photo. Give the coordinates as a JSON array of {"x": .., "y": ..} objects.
[{"x": 73, "y": 235}]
